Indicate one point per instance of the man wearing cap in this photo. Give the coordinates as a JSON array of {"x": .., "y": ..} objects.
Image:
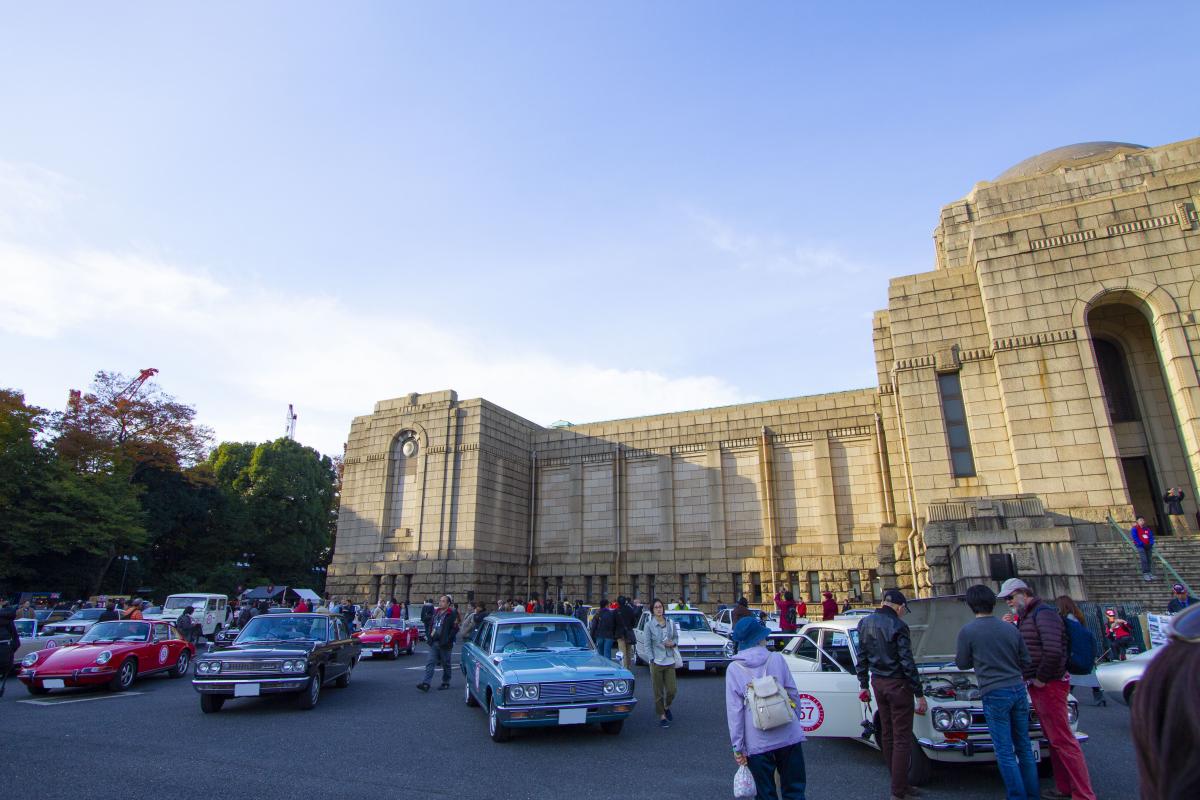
[
  {"x": 1119, "y": 632},
  {"x": 885, "y": 657},
  {"x": 1046, "y": 640},
  {"x": 765, "y": 752},
  {"x": 1181, "y": 600}
]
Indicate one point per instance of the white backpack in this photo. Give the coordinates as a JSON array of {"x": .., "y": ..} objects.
[{"x": 769, "y": 704}]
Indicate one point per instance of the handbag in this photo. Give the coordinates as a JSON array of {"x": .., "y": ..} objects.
[
  {"x": 769, "y": 705},
  {"x": 675, "y": 650},
  {"x": 743, "y": 783}
]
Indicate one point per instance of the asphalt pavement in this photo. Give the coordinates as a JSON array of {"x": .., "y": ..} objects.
[{"x": 382, "y": 738}]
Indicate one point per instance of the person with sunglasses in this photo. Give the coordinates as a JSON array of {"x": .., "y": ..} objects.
[{"x": 1165, "y": 714}]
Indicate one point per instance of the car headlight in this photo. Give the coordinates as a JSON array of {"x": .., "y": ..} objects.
[
  {"x": 616, "y": 687},
  {"x": 214, "y": 667},
  {"x": 29, "y": 660},
  {"x": 1072, "y": 712},
  {"x": 104, "y": 657},
  {"x": 730, "y": 649},
  {"x": 941, "y": 719},
  {"x": 294, "y": 666},
  {"x": 387, "y": 637},
  {"x": 962, "y": 719},
  {"x": 523, "y": 692},
  {"x": 622, "y": 687}
]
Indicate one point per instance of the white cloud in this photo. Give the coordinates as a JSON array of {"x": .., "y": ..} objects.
[
  {"x": 240, "y": 353},
  {"x": 772, "y": 253},
  {"x": 30, "y": 196}
]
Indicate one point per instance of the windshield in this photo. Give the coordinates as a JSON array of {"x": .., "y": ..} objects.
[
  {"x": 393, "y": 624},
  {"x": 519, "y": 637},
  {"x": 117, "y": 632},
  {"x": 87, "y": 613},
  {"x": 284, "y": 629},
  {"x": 183, "y": 602},
  {"x": 691, "y": 622},
  {"x": 24, "y": 627}
]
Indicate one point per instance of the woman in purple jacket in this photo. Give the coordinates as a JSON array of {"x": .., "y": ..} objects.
[{"x": 766, "y": 752}]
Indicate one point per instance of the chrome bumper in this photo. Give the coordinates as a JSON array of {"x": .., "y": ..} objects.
[
  {"x": 266, "y": 685},
  {"x": 970, "y": 748}
]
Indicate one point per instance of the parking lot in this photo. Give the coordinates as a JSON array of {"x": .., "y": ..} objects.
[{"x": 380, "y": 737}]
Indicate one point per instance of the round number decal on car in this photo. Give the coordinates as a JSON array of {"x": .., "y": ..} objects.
[
  {"x": 51, "y": 644},
  {"x": 810, "y": 713},
  {"x": 163, "y": 652}
]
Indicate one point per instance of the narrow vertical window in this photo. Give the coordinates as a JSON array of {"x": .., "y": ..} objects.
[
  {"x": 633, "y": 586},
  {"x": 703, "y": 587},
  {"x": 957, "y": 436},
  {"x": 814, "y": 586},
  {"x": 683, "y": 587},
  {"x": 736, "y": 578},
  {"x": 603, "y": 587},
  {"x": 855, "y": 584},
  {"x": 587, "y": 589},
  {"x": 650, "y": 595}
]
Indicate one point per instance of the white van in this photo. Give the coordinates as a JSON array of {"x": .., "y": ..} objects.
[{"x": 211, "y": 611}]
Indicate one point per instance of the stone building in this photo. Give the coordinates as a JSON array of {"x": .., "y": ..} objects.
[{"x": 1040, "y": 379}]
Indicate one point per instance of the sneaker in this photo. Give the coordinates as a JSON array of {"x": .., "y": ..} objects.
[
  {"x": 664, "y": 723},
  {"x": 424, "y": 687},
  {"x": 670, "y": 716},
  {"x": 1054, "y": 794},
  {"x": 443, "y": 686}
]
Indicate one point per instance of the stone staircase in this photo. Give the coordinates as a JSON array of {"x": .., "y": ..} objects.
[{"x": 1112, "y": 572}]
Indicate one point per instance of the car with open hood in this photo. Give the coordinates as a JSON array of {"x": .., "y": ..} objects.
[
  {"x": 387, "y": 637},
  {"x": 542, "y": 670},
  {"x": 111, "y": 654},
  {"x": 823, "y": 659},
  {"x": 700, "y": 647},
  {"x": 287, "y": 653}
]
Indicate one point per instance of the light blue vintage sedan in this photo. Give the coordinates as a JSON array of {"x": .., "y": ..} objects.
[{"x": 538, "y": 670}]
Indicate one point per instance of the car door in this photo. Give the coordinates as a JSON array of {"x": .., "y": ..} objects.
[
  {"x": 166, "y": 648},
  {"x": 344, "y": 643},
  {"x": 469, "y": 657},
  {"x": 829, "y": 704},
  {"x": 639, "y": 637}
]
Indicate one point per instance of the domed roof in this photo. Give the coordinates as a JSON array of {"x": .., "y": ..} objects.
[{"x": 1071, "y": 155}]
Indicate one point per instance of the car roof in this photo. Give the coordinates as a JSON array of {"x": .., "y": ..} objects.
[
  {"x": 843, "y": 624},
  {"x": 510, "y": 616}
]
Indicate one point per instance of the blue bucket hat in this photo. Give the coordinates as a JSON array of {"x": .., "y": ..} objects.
[{"x": 749, "y": 632}]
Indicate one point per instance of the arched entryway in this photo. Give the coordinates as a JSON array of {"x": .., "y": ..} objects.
[{"x": 1137, "y": 397}]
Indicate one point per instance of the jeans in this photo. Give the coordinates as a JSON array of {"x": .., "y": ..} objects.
[
  {"x": 789, "y": 763},
  {"x": 663, "y": 680},
  {"x": 1119, "y": 645},
  {"x": 605, "y": 647},
  {"x": 1007, "y": 714},
  {"x": 439, "y": 655},
  {"x": 1070, "y": 769},
  {"x": 1147, "y": 564},
  {"x": 895, "y": 699}
]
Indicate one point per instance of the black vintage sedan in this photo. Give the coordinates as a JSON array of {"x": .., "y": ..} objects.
[{"x": 278, "y": 653}]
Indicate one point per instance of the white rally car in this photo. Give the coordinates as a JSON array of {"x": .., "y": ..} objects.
[
  {"x": 700, "y": 648},
  {"x": 822, "y": 661},
  {"x": 778, "y": 639}
]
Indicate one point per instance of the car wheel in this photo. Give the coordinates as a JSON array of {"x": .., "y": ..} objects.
[
  {"x": 395, "y": 651},
  {"x": 311, "y": 693},
  {"x": 1128, "y": 693},
  {"x": 181, "y": 666},
  {"x": 211, "y": 703},
  {"x": 37, "y": 690},
  {"x": 613, "y": 727},
  {"x": 920, "y": 767},
  {"x": 469, "y": 698},
  {"x": 496, "y": 729},
  {"x": 343, "y": 680},
  {"x": 126, "y": 674}
]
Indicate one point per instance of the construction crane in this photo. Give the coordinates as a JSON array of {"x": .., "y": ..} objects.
[
  {"x": 291, "y": 423},
  {"x": 75, "y": 397}
]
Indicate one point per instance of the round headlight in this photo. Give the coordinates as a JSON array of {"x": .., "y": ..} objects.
[
  {"x": 610, "y": 687},
  {"x": 622, "y": 687},
  {"x": 104, "y": 657},
  {"x": 941, "y": 719},
  {"x": 730, "y": 649},
  {"x": 387, "y": 637},
  {"x": 287, "y": 666},
  {"x": 214, "y": 666},
  {"x": 516, "y": 692},
  {"x": 202, "y": 667},
  {"x": 531, "y": 692},
  {"x": 29, "y": 660},
  {"x": 962, "y": 719},
  {"x": 1072, "y": 712}
]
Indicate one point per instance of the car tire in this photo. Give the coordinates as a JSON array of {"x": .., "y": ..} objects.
[
  {"x": 211, "y": 703},
  {"x": 311, "y": 693},
  {"x": 920, "y": 766},
  {"x": 126, "y": 675},
  {"x": 469, "y": 698},
  {"x": 496, "y": 729},
  {"x": 395, "y": 651},
  {"x": 1128, "y": 693},
  {"x": 613, "y": 727},
  {"x": 181, "y": 666},
  {"x": 343, "y": 680},
  {"x": 37, "y": 691}
]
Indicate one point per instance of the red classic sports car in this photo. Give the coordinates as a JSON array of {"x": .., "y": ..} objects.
[
  {"x": 387, "y": 637},
  {"x": 111, "y": 654}
]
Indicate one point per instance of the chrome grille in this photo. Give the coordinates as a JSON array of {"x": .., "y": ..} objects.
[
  {"x": 249, "y": 667},
  {"x": 583, "y": 690},
  {"x": 701, "y": 652}
]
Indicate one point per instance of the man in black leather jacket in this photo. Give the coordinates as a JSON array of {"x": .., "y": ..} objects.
[{"x": 885, "y": 656}]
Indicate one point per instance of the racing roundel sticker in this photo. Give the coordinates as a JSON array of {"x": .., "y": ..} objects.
[
  {"x": 162, "y": 654},
  {"x": 810, "y": 713},
  {"x": 51, "y": 644}
]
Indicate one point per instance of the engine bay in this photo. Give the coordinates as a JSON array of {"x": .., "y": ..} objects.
[{"x": 961, "y": 686}]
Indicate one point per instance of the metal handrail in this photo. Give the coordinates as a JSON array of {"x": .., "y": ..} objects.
[{"x": 1167, "y": 564}]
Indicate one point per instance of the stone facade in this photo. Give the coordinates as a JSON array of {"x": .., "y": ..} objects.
[{"x": 1039, "y": 380}]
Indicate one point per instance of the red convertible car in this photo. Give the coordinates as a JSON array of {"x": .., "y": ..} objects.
[
  {"x": 111, "y": 654},
  {"x": 387, "y": 637}
]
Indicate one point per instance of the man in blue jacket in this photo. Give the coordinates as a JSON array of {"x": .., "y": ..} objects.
[{"x": 1143, "y": 539}]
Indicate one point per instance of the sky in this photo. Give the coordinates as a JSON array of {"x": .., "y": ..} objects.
[{"x": 579, "y": 211}]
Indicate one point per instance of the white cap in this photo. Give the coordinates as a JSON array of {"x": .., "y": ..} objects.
[{"x": 1011, "y": 585}]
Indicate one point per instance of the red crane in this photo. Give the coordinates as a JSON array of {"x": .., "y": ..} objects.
[{"x": 75, "y": 397}]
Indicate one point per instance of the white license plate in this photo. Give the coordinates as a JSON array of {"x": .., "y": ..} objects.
[
  {"x": 696, "y": 666},
  {"x": 245, "y": 690},
  {"x": 54, "y": 683},
  {"x": 572, "y": 716},
  {"x": 1037, "y": 752}
]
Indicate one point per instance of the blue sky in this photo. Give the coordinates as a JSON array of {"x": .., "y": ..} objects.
[{"x": 576, "y": 210}]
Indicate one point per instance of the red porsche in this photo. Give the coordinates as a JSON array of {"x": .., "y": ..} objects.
[
  {"x": 387, "y": 637},
  {"x": 111, "y": 654}
]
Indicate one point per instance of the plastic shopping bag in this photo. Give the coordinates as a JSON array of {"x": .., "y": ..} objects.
[{"x": 743, "y": 783}]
